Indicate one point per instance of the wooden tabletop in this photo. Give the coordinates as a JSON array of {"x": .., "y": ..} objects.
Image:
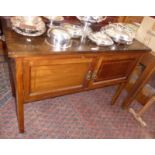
[{"x": 20, "y": 46}]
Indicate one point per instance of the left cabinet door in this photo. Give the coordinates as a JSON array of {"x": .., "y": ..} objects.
[{"x": 45, "y": 77}]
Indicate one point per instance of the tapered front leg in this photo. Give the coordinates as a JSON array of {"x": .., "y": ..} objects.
[
  {"x": 117, "y": 93},
  {"x": 20, "y": 115},
  {"x": 19, "y": 93}
]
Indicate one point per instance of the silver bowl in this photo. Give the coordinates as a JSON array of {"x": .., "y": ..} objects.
[{"x": 58, "y": 37}]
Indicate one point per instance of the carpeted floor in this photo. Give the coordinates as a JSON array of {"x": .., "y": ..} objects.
[
  {"x": 81, "y": 115},
  {"x": 5, "y": 91}
]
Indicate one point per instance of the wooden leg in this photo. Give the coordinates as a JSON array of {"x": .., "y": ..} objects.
[
  {"x": 117, "y": 93},
  {"x": 19, "y": 94},
  {"x": 20, "y": 115},
  {"x": 147, "y": 74},
  {"x": 146, "y": 106},
  {"x": 137, "y": 115}
]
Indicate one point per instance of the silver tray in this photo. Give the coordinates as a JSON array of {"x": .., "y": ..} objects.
[
  {"x": 28, "y": 32},
  {"x": 101, "y": 39},
  {"x": 32, "y": 26},
  {"x": 119, "y": 33}
]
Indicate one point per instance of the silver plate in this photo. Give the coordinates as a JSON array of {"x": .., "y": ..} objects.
[
  {"x": 101, "y": 39},
  {"x": 27, "y": 32}
]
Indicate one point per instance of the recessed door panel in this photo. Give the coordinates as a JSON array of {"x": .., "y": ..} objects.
[
  {"x": 53, "y": 76},
  {"x": 112, "y": 71}
]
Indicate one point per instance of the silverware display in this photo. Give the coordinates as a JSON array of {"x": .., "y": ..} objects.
[
  {"x": 58, "y": 37},
  {"x": 100, "y": 38},
  {"x": 28, "y": 25},
  {"x": 119, "y": 33}
]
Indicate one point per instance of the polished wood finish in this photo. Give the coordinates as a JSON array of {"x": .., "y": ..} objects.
[{"x": 40, "y": 71}]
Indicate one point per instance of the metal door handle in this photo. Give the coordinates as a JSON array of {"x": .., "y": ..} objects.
[{"x": 89, "y": 74}]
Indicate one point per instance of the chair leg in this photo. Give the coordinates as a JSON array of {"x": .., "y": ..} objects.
[
  {"x": 117, "y": 93},
  {"x": 137, "y": 115},
  {"x": 146, "y": 106}
]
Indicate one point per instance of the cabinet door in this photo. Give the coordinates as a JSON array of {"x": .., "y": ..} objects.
[
  {"x": 55, "y": 76},
  {"x": 112, "y": 70}
]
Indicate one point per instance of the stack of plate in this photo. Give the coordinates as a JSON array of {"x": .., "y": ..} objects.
[{"x": 28, "y": 25}]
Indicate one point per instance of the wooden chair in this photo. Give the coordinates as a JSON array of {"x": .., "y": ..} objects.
[
  {"x": 138, "y": 86},
  {"x": 144, "y": 93}
]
